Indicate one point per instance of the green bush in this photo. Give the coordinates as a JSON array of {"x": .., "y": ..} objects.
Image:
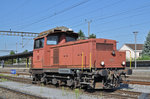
[{"x": 144, "y": 57}]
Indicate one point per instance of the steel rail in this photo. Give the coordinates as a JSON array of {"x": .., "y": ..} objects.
[{"x": 136, "y": 82}]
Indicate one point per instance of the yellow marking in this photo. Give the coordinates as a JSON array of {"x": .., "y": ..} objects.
[
  {"x": 90, "y": 60},
  {"x": 26, "y": 63},
  {"x": 130, "y": 59},
  {"x": 82, "y": 61}
]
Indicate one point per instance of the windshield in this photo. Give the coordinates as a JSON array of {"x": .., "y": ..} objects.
[{"x": 52, "y": 40}]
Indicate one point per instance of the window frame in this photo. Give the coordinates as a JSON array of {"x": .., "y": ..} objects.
[
  {"x": 56, "y": 41},
  {"x": 70, "y": 37},
  {"x": 40, "y": 45}
]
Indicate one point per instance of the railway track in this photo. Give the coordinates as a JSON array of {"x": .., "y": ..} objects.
[
  {"x": 119, "y": 94},
  {"x": 30, "y": 96},
  {"x": 125, "y": 82},
  {"x": 136, "y": 82},
  {"x": 17, "y": 79},
  {"x": 138, "y": 77},
  {"x": 16, "y": 73}
]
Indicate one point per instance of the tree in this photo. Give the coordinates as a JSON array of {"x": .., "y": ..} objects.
[
  {"x": 146, "y": 49},
  {"x": 92, "y": 36},
  {"x": 144, "y": 57},
  {"x": 81, "y": 34},
  {"x": 12, "y": 52},
  {"x": 25, "y": 51}
]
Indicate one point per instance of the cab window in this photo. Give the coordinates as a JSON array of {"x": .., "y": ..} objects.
[
  {"x": 39, "y": 43},
  {"x": 68, "y": 39},
  {"x": 52, "y": 40}
]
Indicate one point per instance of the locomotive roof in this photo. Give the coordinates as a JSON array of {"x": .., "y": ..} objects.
[{"x": 58, "y": 30}]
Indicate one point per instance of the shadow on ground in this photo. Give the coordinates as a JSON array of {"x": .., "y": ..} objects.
[{"x": 122, "y": 86}]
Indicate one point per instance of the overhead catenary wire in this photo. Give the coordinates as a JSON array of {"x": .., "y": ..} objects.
[
  {"x": 74, "y": 17},
  {"x": 76, "y": 25},
  {"x": 89, "y": 12},
  {"x": 93, "y": 11},
  {"x": 57, "y": 13},
  {"x": 113, "y": 15},
  {"x": 127, "y": 26},
  {"x": 37, "y": 14},
  {"x": 48, "y": 9},
  {"x": 124, "y": 12},
  {"x": 125, "y": 18}
]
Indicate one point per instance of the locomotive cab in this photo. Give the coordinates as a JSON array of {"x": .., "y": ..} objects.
[
  {"x": 43, "y": 43},
  {"x": 60, "y": 38}
]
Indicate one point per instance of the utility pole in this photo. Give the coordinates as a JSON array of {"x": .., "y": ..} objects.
[
  {"x": 135, "y": 34},
  {"x": 89, "y": 22}
]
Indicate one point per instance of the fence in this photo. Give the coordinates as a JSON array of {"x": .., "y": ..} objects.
[{"x": 140, "y": 64}]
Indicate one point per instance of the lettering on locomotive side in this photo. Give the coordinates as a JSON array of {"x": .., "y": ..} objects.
[{"x": 65, "y": 71}]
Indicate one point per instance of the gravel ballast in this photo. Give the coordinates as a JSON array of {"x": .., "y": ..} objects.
[{"x": 7, "y": 94}]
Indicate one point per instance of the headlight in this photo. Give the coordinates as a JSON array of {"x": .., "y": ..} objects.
[
  {"x": 113, "y": 53},
  {"x": 102, "y": 63},
  {"x": 123, "y": 63}
]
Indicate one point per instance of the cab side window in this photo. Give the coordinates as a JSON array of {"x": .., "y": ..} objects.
[
  {"x": 68, "y": 39},
  {"x": 52, "y": 40},
  {"x": 39, "y": 43}
]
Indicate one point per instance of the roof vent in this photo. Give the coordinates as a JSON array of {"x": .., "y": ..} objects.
[
  {"x": 70, "y": 30},
  {"x": 55, "y": 30}
]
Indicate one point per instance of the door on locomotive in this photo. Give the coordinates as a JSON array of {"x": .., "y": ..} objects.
[{"x": 38, "y": 53}]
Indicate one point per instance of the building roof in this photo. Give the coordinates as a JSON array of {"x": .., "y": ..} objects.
[
  {"x": 18, "y": 55},
  {"x": 138, "y": 46}
]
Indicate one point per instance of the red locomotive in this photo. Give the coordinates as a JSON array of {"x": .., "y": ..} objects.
[{"x": 60, "y": 59}]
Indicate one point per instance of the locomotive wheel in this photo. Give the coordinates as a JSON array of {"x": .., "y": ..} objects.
[
  {"x": 44, "y": 80},
  {"x": 70, "y": 82},
  {"x": 54, "y": 81},
  {"x": 34, "y": 81},
  {"x": 75, "y": 84}
]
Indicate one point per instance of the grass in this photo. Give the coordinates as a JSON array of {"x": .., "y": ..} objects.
[
  {"x": 144, "y": 57},
  {"x": 3, "y": 75},
  {"x": 3, "y": 80}
]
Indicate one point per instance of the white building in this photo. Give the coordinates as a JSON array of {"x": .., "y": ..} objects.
[{"x": 130, "y": 48}]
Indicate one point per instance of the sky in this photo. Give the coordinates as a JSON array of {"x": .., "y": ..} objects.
[{"x": 109, "y": 19}]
